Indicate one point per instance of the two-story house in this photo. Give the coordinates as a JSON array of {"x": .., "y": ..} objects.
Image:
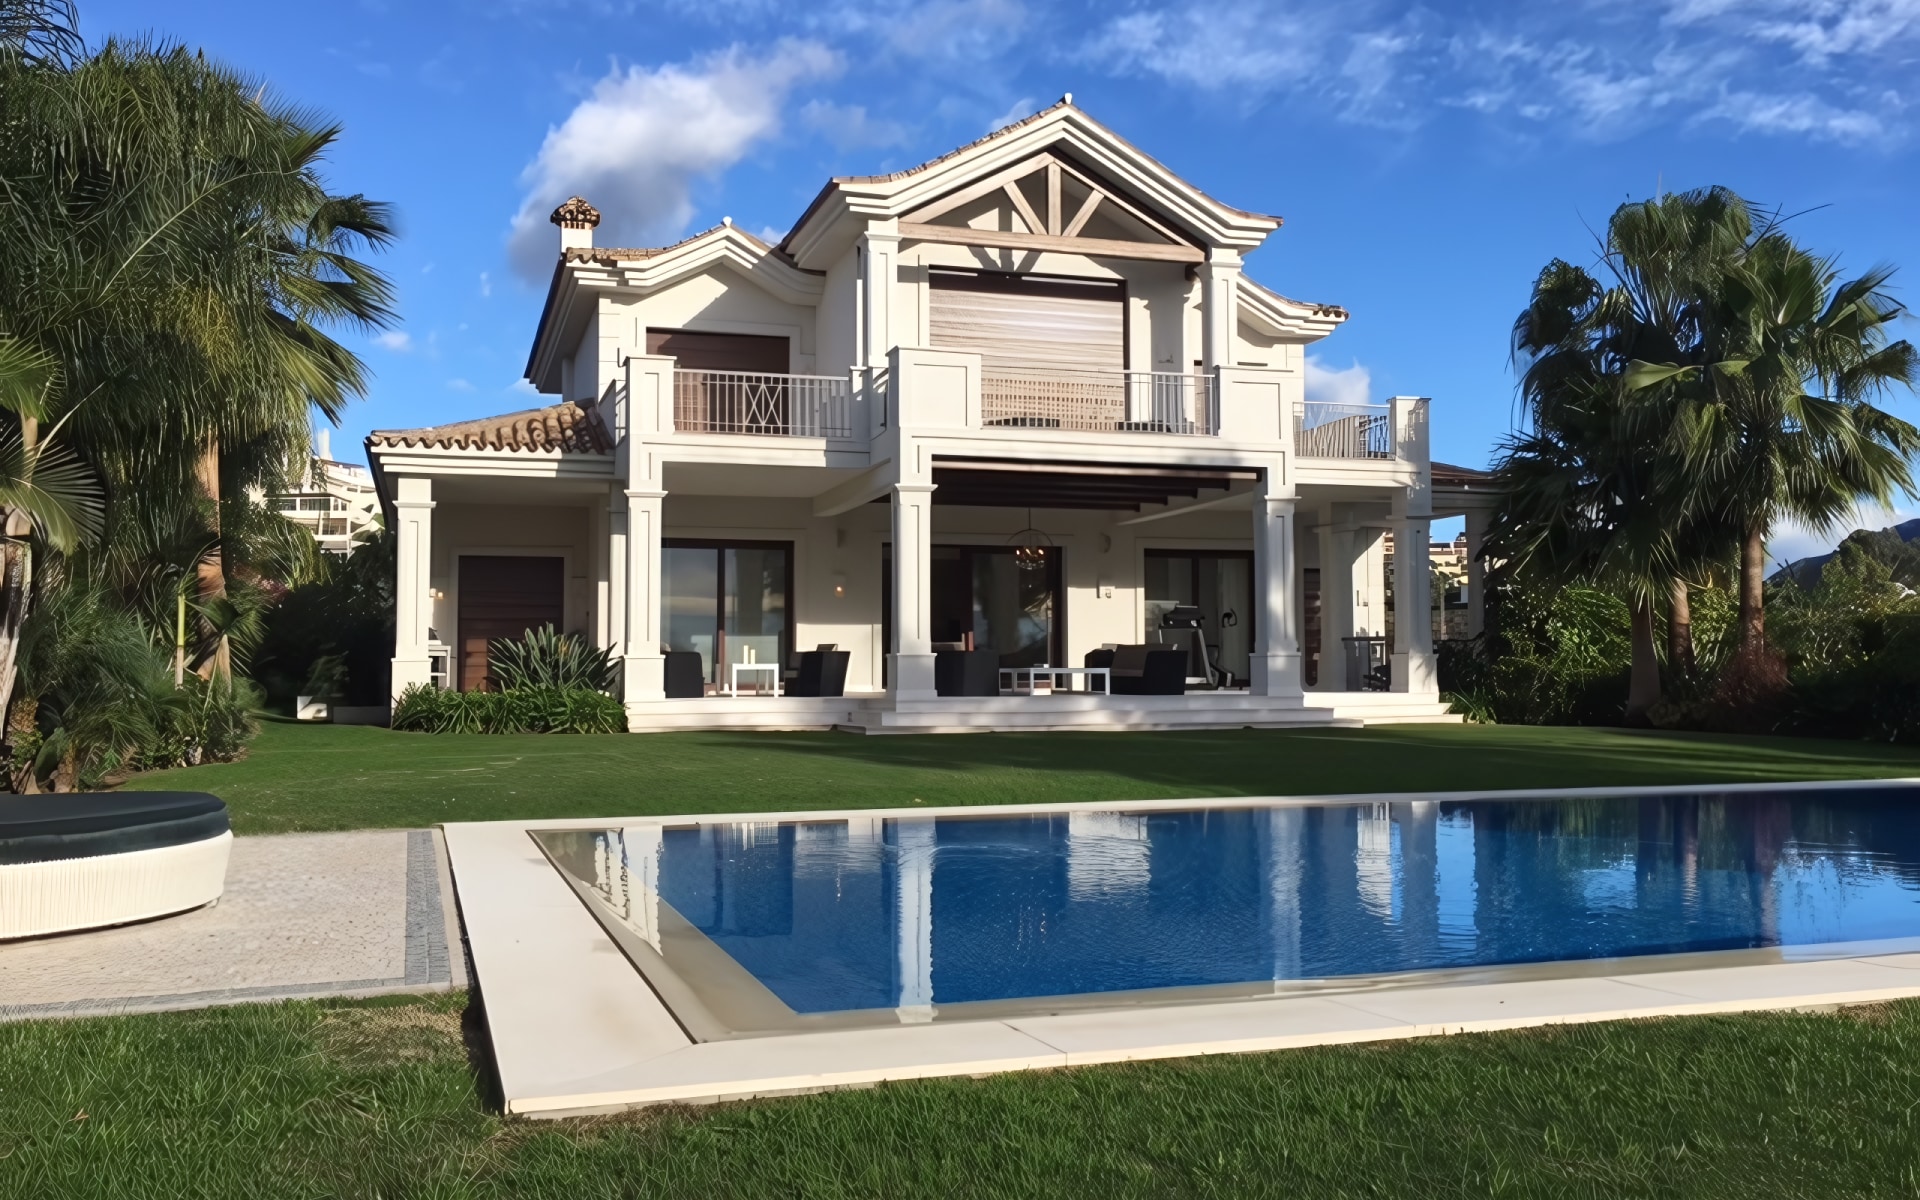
[{"x": 1017, "y": 406}]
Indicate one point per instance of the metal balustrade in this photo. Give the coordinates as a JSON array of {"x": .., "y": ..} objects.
[
  {"x": 777, "y": 405},
  {"x": 1099, "y": 401},
  {"x": 1327, "y": 430}
]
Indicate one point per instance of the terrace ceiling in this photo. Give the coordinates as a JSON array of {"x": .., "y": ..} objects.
[{"x": 990, "y": 483}]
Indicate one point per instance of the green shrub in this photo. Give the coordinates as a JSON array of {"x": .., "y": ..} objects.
[
  {"x": 424, "y": 709},
  {"x": 544, "y": 658}
]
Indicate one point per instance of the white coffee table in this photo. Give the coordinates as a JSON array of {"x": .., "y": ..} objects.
[
  {"x": 1044, "y": 680},
  {"x": 771, "y": 670}
]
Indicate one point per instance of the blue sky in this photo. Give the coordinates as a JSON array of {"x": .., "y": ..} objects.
[{"x": 1428, "y": 159}]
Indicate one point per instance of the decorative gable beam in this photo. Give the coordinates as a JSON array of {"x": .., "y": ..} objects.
[
  {"x": 1056, "y": 223},
  {"x": 959, "y": 235},
  {"x": 1018, "y": 199}
]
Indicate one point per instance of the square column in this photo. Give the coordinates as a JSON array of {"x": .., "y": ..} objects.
[
  {"x": 1413, "y": 663},
  {"x": 1336, "y": 603},
  {"x": 1476, "y": 572},
  {"x": 879, "y": 263},
  {"x": 910, "y": 672},
  {"x": 1276, "y": 655},
  {"x": 644, "y": 670},
  {"x": 617, "y": 570},
  {"x": 413, "y": 581},
  {"x": 1219, "y": 308}
]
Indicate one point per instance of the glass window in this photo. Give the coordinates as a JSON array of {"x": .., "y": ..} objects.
[{"x": 727, "y": 602}]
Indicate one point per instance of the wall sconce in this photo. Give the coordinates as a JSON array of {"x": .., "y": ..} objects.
[
  {"x": 436, "y": 594},
  {"x": 839, "y": 587}
]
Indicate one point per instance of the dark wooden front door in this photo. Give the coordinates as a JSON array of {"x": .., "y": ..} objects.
[{"x": 502, "y": 597}]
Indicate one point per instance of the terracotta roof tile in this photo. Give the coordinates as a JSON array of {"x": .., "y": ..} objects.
[{"x": 574, "y": 427}]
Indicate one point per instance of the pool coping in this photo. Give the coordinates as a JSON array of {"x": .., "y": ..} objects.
[{"x": 576, "y": 1030}]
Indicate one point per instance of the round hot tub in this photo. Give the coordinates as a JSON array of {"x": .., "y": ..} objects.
[{"x": 83, "y": 860}]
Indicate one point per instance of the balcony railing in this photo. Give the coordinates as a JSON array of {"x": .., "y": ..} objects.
[
  {"x": 1099, "y": 401},
  {"x": 777, "y": 405},
  {"x": 1324, "y": 430}
]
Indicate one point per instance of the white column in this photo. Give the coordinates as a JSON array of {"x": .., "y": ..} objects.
[
  {"x": 1219, "y": 308},
  {"x": 1413, "y": 665},
  {"x": 1336, "y": 602},
  {"x": 913, "y": 918},
  {"x": 644, "y": 672},
  {"x": 617, "y": 570},
  {"x": 910, "y": 674},
  {"x": 1476, "y": 572},
  {"x": 879, "y": 262},
  {"x": 1276, "y": 656},
  {"x": 413, "y": 584}
]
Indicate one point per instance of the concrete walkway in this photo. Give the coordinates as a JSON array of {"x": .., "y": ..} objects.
[{"x": 304, "y": 915}]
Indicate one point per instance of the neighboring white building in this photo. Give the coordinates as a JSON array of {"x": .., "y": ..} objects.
[
  {"x": 337, "y": 502},
  {"x": 1020, "y": 401}
]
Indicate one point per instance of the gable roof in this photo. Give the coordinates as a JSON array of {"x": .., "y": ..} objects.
[
  {"x": 574, "y": 427},
  {"x": 1061, "y": 128}
]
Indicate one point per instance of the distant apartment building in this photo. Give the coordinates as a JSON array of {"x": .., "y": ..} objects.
[{"x": 335, "y": 504}]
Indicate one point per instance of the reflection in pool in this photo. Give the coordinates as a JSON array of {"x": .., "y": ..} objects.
[{"x": 911, "y": 913}]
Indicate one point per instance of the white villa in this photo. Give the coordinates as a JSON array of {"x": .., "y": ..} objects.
[{"x": 1015, "y": 407}]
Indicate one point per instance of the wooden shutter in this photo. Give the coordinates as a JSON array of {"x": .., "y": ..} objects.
[
  {"x": 1021, "y": 322},
  {"x": 745, "y": 352}
]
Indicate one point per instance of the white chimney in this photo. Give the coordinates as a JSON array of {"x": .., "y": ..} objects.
[
  {"x": 576, "y": 219},
  {"x": 323, "y": 445}
]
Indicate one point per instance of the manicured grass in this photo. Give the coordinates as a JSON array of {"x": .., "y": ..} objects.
[
  {"x": 310, "y": 777},
  {"x": 365, "y": 1100}
]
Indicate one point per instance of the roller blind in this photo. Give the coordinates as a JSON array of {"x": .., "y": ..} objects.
[{"x": 1032, "y": 324}]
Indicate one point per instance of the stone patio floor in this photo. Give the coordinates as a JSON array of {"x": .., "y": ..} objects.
[{"x": 303, "y": 915}]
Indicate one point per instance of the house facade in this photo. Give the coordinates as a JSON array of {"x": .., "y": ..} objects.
[{"x": 1017, "y": 407}]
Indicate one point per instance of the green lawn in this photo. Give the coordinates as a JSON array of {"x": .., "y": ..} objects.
[
  {"x": 308, "y": 777},
  {"x": 311, "y": 1100},
  {"x": 392, "y": 1099}
]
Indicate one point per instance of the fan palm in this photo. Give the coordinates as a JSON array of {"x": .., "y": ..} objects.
[
  {"x": 174, "y": 249},
  {"x": 1592, "y": 488},
  {"x": 1784, "y": 424}
]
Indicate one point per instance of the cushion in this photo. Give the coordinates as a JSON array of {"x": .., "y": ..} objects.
[{"x": 89, "y": 824}]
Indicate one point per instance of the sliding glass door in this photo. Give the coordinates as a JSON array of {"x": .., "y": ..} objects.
[
  {"x": 1007, "y": 599},
  {"x": 1202, "y": 600},
  {"x": 728, "y": 602}
]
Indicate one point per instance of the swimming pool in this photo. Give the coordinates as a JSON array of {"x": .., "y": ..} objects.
[{"x": 746, "y": 926}]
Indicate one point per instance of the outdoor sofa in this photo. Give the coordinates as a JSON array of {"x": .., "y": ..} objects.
[
  {"x": 83, "y": 860},
  {"x": 1143, "y": 670}
]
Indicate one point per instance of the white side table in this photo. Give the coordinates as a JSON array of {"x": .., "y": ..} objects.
[{"x": 734, "y": 672}]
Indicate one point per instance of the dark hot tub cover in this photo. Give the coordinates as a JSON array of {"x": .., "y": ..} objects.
[{"x": 88, "y": 824}]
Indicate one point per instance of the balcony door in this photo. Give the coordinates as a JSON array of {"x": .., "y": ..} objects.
[{"x": 727, "y": 382}]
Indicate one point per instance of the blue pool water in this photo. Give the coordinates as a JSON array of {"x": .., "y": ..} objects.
[{"x": 917, "y": 912}]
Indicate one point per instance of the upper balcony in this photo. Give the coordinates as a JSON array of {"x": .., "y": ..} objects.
[{"x": 946, "y": 394}]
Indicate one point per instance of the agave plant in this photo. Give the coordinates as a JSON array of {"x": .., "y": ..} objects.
[{"x": 545, "y": 658}]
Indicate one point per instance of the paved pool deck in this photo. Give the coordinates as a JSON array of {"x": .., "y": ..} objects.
[
  {"x": 576, "y": 1029},
  {"x": 303, "y": 915}
]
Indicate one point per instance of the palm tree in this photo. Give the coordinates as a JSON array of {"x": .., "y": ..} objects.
[
  {"x": 174, "y": 250},
  {"x": 44, "y": 491},
  {"x": 1592, "y": 487},
  {"x": 1777, "y": 418}
]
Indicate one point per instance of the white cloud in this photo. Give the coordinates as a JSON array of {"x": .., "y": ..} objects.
[
  {"x": 641, "y": 139},
  {"x": 850, "y": 126},
  {"x": 459, "y": 385},
  {"x": 522, "y": 387},
  {"x": 1019, "y": 110},
  {"x": 1351, "y": 384},
  {"x": 1792, "y": 540},
  {"x": 486, "y": 285},
  {"x": 1831, "y": 70},
  {"x": 397, "y": 340}
]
